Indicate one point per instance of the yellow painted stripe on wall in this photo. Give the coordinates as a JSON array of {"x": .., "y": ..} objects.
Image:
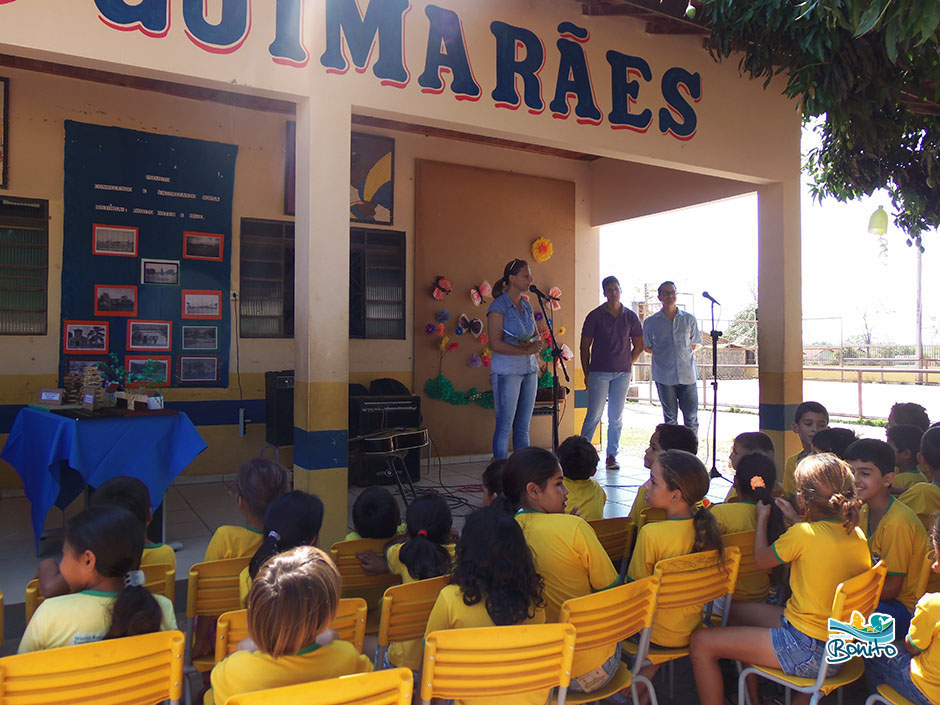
[
  {"x": 24, "y": 389},
  {"x": 325, "y": 407}
]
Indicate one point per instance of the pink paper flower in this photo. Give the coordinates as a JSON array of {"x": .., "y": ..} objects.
[
  {"x": 475, "y": 296},
  {"x": 474, "y": 361},
  {"x": 566, "y": 353},
  {"x": 486, "y": 289},
  {"x": 556, "y": 293}
]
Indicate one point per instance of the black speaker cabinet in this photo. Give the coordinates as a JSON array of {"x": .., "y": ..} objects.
[
  {"x": 279, "y": 407},
  {"x": 368, "y": 470}
]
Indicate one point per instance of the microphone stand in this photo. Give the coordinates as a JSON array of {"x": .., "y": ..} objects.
[
  {"x": 715, "y": 334},
  {"x": 556, "y": 358}
]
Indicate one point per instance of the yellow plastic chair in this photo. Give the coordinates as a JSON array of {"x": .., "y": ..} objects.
[
  {"x": 888, "y": 695},
  {"x": 159, "y": 578},
  {"x": 695, "y": 580},
  {"x": 744, "y": 541},
  {"x": 355, "y": 579},
  {"x": 859, "y": 594},
  {"x": 211, "y": 592},
  {"x": 391, "y": 687},
  {"x": 135, "y": 670},
  {"x": 607, "y": 618},
  {"x": 497, "y": 662},
  {"x": 650, "y": 515},
  {"x": 615, "y": 535},
  {"x": 405, "y": 611},
  {"x": 349, "y": 624}
]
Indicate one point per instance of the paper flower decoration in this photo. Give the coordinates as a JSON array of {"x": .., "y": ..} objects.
[
  {"x": 442, "y": 287},
  {"x": 487, "y": 352},
  {"x": 546, "y": 354},
  {"x": 474, "y": 361},
  {"x": 430, "y": 328},
  {"x": 452, "y": 346},
  {"x": 566, "y": 353},
  {"x": 484, "y": 339},
  {"x": 486, "y": 360},
  {"x": 542, "y": 249},
  {"x": 458, "y": 330},
  {"x": 561, "y": 331},
  {"x": 442, "y": 316},
  {"x": 757, "y": 481},
  {"x": 539, "y": 316},
  {"x": 440, "y": 330},
  {"x": 445, "y": 341},
  {"x": 479, "y": 293},
  {"x": 555, "y": 293}
]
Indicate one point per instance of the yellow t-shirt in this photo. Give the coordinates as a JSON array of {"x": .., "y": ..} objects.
[
  {"x": 666, "y": 539},
  {"x": 789, "y": 477},
  {"x": 79, "y": 618},
  {"x": 901, "y": 542},
  {"x": 734, "y": 518},
  {"x": 248, "y": 671},
  {"x": 905, "y": 479},
  {"x": 354, "y": 536},
  {"x": 233, "y": 542},
  {"x": 922, "y": 498},
  {"x": 450, "y": 612},
  {"x": 732, "y": 495},
  {"x": 925, "y": 636},
  {"x": 571, "y": 560},
  {"x": 822, "y": 556},
  {"x": 157, "y": 554},
  {"x": 588, "y": 496},
  {"x": 406, "y": 653}
]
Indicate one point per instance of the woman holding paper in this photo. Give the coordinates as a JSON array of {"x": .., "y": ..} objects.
[{"x": 515, "y": 342}]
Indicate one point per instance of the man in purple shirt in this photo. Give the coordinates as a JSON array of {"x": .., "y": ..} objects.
[{"x": 611, "y": 341}]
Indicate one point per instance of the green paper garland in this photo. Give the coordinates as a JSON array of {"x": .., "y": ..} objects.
[{"x": 442, "y": 389}]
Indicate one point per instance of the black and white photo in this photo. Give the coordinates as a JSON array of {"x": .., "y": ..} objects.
[
  {"x": 115, "y": 300},
  {"x": 160, "y": 271},
  {"x": 76, "y": 366},
  {"x": 117, "y": 240},
  {"x": 199, "y": 369},
  {"x": 149, "y": 335},
  {"x": 85, "y": 337},
  {"x": 203, "y": 245},
  {"x": 200, "y": 338},
  {"x": 202, "y": 303},
  {"x": 161, "y": 368}
]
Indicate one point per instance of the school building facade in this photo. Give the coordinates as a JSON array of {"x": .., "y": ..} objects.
[{"x": 511, "y": 120}]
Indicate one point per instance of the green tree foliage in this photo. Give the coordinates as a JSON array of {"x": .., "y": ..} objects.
[
  {"x": 743, "y": 329},
  {"x": 871, "y": 68}
]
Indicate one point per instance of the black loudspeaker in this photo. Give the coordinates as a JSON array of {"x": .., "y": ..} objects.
[
  {"x": 368, "y": 470},
  {"x": 369, "y": 414},
  {"x": 279, "y": 407}
]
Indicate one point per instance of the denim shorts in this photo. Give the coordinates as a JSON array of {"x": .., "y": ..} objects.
[
  {"x": 597, "y": 678},
  {"x": 799, "y": 654}
]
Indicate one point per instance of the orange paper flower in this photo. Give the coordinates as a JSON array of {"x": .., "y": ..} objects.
[{"x": 757, "y": 482}]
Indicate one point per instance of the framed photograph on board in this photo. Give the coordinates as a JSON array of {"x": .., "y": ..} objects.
[
  {"x": 149, "y": 335},
  {"x": 77, "y": 365},
  {"x": 160, "y": 271},
  {"x": 372, "y": 167},
  {"x": 203, "y": 246},
  {"x": 4, "y": 130},
  {"x": 115, "y": 240},
  {"x": 198, "y": 369},
  {"x": 202, "y": 303},
  {"x": 85, "y": 337},
  {"x": 116, "y": 300},
  {"x": 200, "y": 338},
  {"x": 136, "y": 364}
]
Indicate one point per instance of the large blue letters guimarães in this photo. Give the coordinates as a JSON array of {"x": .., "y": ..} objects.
[
  {"x": 623, "y": 90},
  {"x": 446, "y": 48},
  {"x": 288, "y": 46},
  {"x": 672, "y": 79},
  {"x": 384, "y": 19},
  {"x": 150, "y": 16},
  {"x": 228, "y": 34},
  {"x": 574, "y": 77},
  {"x": 508, "y": 66}
]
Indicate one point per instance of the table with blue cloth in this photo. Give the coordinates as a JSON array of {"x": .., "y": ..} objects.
[{"x": 57, "y": 456}]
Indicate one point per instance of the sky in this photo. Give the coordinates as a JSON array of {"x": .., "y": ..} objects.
[{"x": 846, "y": 278}]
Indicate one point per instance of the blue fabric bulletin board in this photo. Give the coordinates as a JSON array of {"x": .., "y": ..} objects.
[{"x": 164, "y": 187}]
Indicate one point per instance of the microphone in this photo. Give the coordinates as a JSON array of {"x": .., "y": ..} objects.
[
  {"x": 710, "y": 298},
  {"x": 535, "y": 290}
]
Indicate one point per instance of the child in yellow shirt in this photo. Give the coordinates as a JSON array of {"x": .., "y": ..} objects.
[
  {"x": 495, "y": 583},
  {"x": 292, "y": 520},
  {"x": 375, "y": 515},
  {"x": 101, "y": 566},
  {"x": 825, "y": 549},
  {"x": 744, "y": 444},
  {"x": 667, "y": 436},
  {"x": 924, "y": 497},
  {"x": 915, "y": 672},
  {"x": 895, "y": 534},
  {"x": 809, "y": 417},
  {"x": 833, "y": 440},
  {"x": 578, "y": 459},
  {"x": 568, "y": 554},
  {"x": 291, "y": 604},
  {"x": 677, "y": 484},
  {"x": 905, "y": 439}
]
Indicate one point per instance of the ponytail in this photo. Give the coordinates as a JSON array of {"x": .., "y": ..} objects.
[
  {"x": 825, "y": 488},
  {"x": 429, "y": 523},
  {"x": 707, "y": 533},
  {"x": 685, "y": 472},
  {"x": 292, "y": 520},
  {"x": 116, "y": 537},
  {"x": 511, "y": 268},
  {"x": 847, "y": 509}
]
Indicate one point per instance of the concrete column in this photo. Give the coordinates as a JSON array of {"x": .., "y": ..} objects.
[
  {"x": 321, "y": 299},
  {"x": 779, "y": 302}
]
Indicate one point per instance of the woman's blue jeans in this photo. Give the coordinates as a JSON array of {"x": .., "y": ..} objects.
[{"x": 513, "y": 402}]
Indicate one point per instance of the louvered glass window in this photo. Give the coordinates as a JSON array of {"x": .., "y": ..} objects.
[
  {"x": 376, "y": 284},
  {"x": 267, "y": 279},
  {"x": 24, "y": 266}
]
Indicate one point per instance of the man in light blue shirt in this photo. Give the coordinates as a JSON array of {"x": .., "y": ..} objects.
[{"x": 671, "y": 336}]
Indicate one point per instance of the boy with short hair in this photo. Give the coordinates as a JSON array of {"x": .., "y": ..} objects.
[
  {"x": 578, "y": 459},
  {"x": 905, "y": 439},
  {"x": 744, "y": 444},
  {"x": 909, "y": 413},
  {"x": 924, "y": 497},
  {"x": 834, "y": 440},
  {"x": 895, "y": 534},
  {"x": 810, "y": 417},
  {"x": 667, "y": 436}
]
